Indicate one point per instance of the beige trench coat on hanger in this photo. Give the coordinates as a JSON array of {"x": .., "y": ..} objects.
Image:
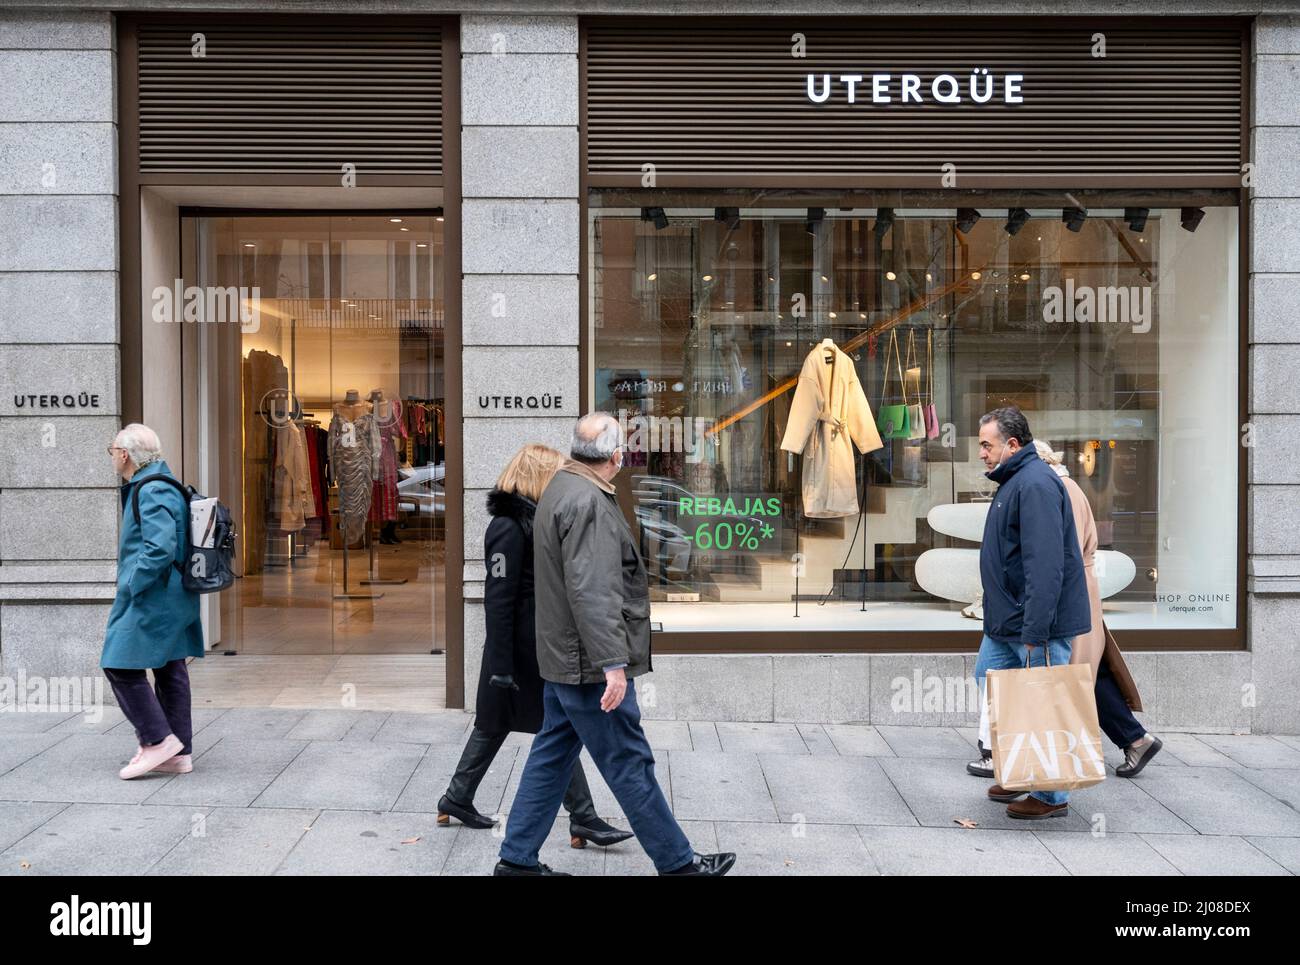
[{"x": 828, "y": 417}]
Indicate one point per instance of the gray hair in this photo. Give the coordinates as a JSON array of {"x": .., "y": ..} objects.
[
  {"x": 1012, "y": 424},
  {"x": 140, "y": 442},
  {"x": 596, "y": 437},
  {"x": 1053, "y": 459}
]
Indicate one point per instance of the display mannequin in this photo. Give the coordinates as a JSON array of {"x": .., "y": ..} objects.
[
  {"x": 392, "y": 429},
  {"x": 354, "y": 459}
]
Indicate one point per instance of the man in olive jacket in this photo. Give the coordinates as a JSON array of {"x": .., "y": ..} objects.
[{"x": 593, "y": 639}]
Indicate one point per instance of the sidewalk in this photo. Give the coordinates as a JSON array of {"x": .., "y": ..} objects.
[{"x": 353, "y": 792}]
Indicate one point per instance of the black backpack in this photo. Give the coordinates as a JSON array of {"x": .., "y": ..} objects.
[{"x": 209, "y": 567}]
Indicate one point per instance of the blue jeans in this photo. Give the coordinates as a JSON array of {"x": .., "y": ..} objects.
[
  {"x": 1011, "y": 656},
  {"x": 618, "y": 746}
]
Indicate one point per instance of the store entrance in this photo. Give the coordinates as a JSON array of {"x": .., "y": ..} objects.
[{"x": 320, "y": 423}]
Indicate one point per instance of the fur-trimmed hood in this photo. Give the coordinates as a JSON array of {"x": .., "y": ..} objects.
[{"x": 513, "y": 506}]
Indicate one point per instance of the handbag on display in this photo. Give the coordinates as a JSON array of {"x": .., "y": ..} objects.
[
  {"x": 892, "y": 420},
  {"x": 931, "y": 414},
  {"x": 916, "y": 425}
]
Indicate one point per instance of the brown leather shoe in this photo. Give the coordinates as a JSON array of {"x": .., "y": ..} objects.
[
  {"x": 999, "y": 793},
  {"x": 1032, "y": 809}
]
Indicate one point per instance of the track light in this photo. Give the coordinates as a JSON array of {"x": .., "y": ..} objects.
[
  {"x": 1016, "y": 219},
  {"x": 1191, "y": 217},
  {"x": 1074, "y": 218},
  {"x": 657, "y": 216},
  {"x": 1137, "y": 219},
  {"x": 728, "y": 216},
  {"x": 815, "y": 216},
  {"x": 966, "y": 218},
  {"x": 884, "y": 221}
]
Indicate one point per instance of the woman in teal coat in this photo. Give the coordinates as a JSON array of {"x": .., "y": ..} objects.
[{"x": 154, "y": 624}]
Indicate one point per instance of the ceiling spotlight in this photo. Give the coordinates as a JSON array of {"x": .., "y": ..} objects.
[
  {"x": 966, "y": 218},
  {"x": 657, "y": 216},
  {"x": 833, "y": 315},
  {"x": 1024, "y": 276},
  {"x": 1136, "y": 218},
  {"x": 1191, "y": 217},
  {"x": 403, "y": 229},
  {"x": 439, "y": 218},
  {"x": 1016, "y": 219},
  {"x": 421, "y": 244},
  {"x": 652, "y": 276},
  {"x": 929, "y": 277},
  {"x": 708, "y": 278},
  {"x": 395, "y": 220},
  {"x": 815, "y": 216},
  {"x": 1074, "y": 218},
  {"x": 975, "y": 275},
  {"x": 249, "y": 244},
  {"x": 884, "y": 221},
  {"x": 728, "y": 216},
  {"x": 890, "y": 275}
]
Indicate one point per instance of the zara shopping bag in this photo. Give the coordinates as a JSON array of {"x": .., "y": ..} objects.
[{"x": 1043, "y": 728}]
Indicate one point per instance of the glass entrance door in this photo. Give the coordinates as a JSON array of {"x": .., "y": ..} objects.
[{"x": 320, "y": 415}]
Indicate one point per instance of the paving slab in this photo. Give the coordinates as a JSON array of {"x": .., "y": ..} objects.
[
  {"x": 100, "y": 839},
  {"x": 236, "y": 841},
  {"x": 362, "y": 776}
]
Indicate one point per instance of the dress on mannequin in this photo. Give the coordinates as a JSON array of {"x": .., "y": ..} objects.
[
  {"x": 354, "y": 458},
  {"x": 392, "y": 428}
]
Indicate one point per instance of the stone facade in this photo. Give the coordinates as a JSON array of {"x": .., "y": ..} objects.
[
  {"x": 521, "y": 235},
  {"x": 519, "y": 158},
  {"x": 58, "y": 260}
]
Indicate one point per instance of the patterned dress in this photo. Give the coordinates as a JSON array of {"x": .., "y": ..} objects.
[
  {"x": 383, "y": 504},
  {"x": 354, "y": 462}
]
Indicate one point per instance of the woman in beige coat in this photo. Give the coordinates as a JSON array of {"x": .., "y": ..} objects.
[{"x": 1117, "y": 694}]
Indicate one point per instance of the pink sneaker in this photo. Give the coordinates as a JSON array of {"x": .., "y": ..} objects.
[
  {"x": 180, "y": 764},
  {"x": 148, "y": 758}
]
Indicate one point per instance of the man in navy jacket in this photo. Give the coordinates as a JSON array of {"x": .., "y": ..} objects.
[{"x": 1035, "y": 592}]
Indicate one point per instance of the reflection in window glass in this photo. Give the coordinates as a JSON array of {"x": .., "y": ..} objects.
[{"x": 1119, "y": 343}]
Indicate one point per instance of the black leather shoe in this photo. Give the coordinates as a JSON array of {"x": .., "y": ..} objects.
[
  {"x": 597, "y": 832},
  {"x": 713, "y": 865},
  {"x": 465, "y": 815},
  {"x": 505, "y": 869},
  {"x": 1137, "y": 757}
]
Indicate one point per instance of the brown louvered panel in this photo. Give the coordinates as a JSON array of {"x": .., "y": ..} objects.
[
  {"x": 274, "y": 98},
  {"x": 726, "y": 100}
]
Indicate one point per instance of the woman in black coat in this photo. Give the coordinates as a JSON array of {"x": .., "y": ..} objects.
[{"x": 510, "y": 685}]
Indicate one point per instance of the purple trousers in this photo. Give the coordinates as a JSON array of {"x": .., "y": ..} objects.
[{"x": 155, "y": 713}]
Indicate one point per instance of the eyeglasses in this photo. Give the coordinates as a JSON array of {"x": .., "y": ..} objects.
[{"x": 113, "y": 449}]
